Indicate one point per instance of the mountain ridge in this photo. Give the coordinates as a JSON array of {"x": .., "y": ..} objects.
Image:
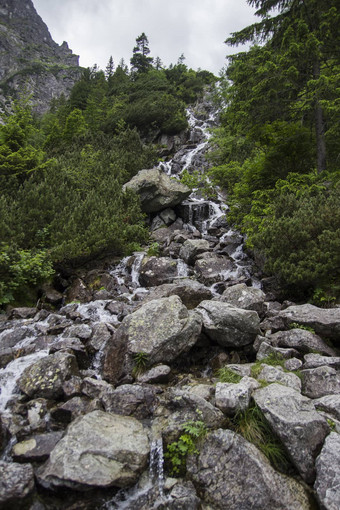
[{"x": 31, "y": 62}]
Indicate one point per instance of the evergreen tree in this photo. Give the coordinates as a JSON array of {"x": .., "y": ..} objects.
[
  {"x": 109, "y": 68},
  {"x": 303, "y": 39},
  {"x": 140, "y": 62}
]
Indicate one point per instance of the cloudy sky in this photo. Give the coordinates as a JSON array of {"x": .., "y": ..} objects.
[{"x": 96, "y": 29}]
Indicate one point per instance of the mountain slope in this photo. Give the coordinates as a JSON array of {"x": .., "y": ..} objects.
[{"x": 31, "y": 63}]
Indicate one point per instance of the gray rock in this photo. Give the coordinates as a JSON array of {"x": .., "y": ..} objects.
[
  {"x": 267, "y": 349},
  {"x": 324, "y": 321},
  {"x": 293, "y": 364},
  {"x": 16, "y": 485},
  {"x": 241, "y": 296},
  {"x": 227, "y": 325},
  {"x": 232, "y": 398},
  {"x": 276, "y": 374},
  {"x": 168, "y": 216},
  {"x": 99, "y": 450},
  {"x": 156, "y": 190},
  {"x": 182, "y": 406},
  {"x": 36, "y": 448},
  {"x": 190, "y": 291},
  {"x": 157, "y": 270},
  {"x": 300, "y": 339},
  {"x": 77, "y": 406},
  {"x": 130, "y": 400},
  {"x": 321, "y": 381},
  {"x": 295, "y": 421},
  {"x": 212, "y": 268},
  {"x": 233, "y": 474},
  {"x": 158, "y": 374},
  {"x": 329, "y": 404},
  {"x": 191, "y": 248},
  {"x": 46, "y": 377},
  {"x": 161, "y": 329},
  {"x": 23, "y": 313},
  {"x": 327, "y": 483},
  {"x": 316, "y": 360}
]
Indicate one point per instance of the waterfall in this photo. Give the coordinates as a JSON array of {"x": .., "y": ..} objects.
[{"x": 156, "y": 468}]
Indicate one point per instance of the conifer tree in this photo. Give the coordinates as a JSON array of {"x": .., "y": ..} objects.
[
  {"x": 109, "y": 68},
  {"x": 140, "y": 62}
]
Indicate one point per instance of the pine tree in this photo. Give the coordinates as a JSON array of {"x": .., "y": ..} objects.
[
  {"x": 140, "y": 62},
  {"x": 109, "y": 68},
  {"x": 303, "y": 38}
]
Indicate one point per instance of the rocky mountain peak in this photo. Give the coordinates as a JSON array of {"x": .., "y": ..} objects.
[{"x": 31, "y": 63}]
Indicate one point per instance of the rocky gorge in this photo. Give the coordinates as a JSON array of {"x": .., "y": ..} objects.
[{"x": 162, "y": 380}]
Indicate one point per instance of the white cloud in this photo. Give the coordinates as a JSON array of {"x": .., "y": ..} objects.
[{"x": 97, "y": 29}]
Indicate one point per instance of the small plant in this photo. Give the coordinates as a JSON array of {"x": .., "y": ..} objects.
[
  {"x": 253, "y": 426},
  {"x": 272, "y": 359},
  {"x": 324, "y": 299},
  {"x": 331, "y": 424},
  {"x": 226, "y": 375},
  {"x": 153, "y": 250},
  {"x": 177, "y": 452},
  {"x": 140, "y": 362},
  {"x": 296, "y": 325}
]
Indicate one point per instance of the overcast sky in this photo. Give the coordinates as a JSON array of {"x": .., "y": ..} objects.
[{"x": 97, "y": 29}]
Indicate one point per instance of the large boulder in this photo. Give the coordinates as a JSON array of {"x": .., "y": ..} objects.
[
  {"x": 232, "y": 473},
  {"x": 321, "y": 381},
  {"x": 300, "y": 339},
  {"x": 160, "y": 331},
  {"x": 46, "y": 377},
  {"x": 156, "y": 190},
  {"x": 295, "y": 421},
  {"x": 99, "y": 450},
  {"x": 327, "y": 483},
  {"x": 227, "y": 325},
  {"x": 245, "y": 297},
  {"x": 190, "y": 291},
  {"x": 16, "y": 485},
  {"x": 158, "y": 270},
  {"x": 233, "y": 398},
  {"x": 324, "y": 321},
  {"x": 193, "y": 247},
  {"x": 212, "y": 268}
]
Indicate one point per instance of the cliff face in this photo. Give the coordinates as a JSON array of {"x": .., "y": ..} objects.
[{"x": 31, "y": 63}]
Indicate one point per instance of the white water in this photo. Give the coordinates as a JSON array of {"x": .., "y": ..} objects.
[{"x": 11, "y": 373}]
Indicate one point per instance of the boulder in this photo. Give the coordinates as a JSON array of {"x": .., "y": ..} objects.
[
  {"x": 316, "y": 360},
  {"x": 241, "y": 296},
  {"x": 191, "y": 248},
  {"x": 295, "y": 421},
  {"x": 99, "y": 450},
  {"x": 130, "y": 400},
  {"x": 227, "y": 325},
  {"x": 46, "y": 377},
  {"x": 36, "y": 448},
  {"x": 300, "y": 339},
  {"x": 212, "y": 268},
  {"x": 190, "y": 291},
  {"x": 276, "y": 374},
  {"x": 156, "y": 190},
  {"x": 232, "y": 398},
  {"x": 157, "y": 270},
  {"x": 327, "y": 483},
  {"x": 233, "y": 474},
  {"x": 16, "y": 485},
  {"x": 159, "y": 331},
  {"x": 156, "y": 375},
  {"x": 330, "y": 404},
  {"x": 321, "y": 381},
  {"x": 324, "y": 321}
]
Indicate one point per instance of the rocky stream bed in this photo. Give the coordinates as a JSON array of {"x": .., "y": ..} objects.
[{"x": 95, "y": 390}]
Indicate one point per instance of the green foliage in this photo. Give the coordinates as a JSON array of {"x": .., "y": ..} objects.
[
  {"x": 177, "y": 452},
  {"x": 273, "y": 359},
  {"x": 153, "y": 250},
  {"x": 296, "y": 325},
  {"x": 140, "y": 360},
  {"x": 20, "y": 269},
  {"x": 253, "y": 426},
  {"x": 226, "y": 375}
]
